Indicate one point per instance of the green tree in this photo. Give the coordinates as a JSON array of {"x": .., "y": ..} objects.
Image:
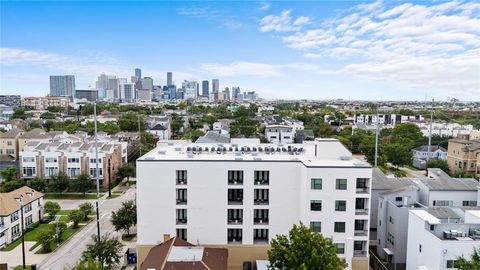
[
  {"x": 38, "y": 183},
  {"x": 472, "y": 264},
  {"x": 76, "y": 216},
  {"x": 19, "y": 113},
  {"x": 45, "y": 239},
  {"x": 367, "y": 147},
  {"x": 107, "y": 250},
  {"x": 86, "y": 208},
  {"x": 47, "y": 115},
  {"x": 59, "y": 182},
  {"x": 129, "y": 121},
  {"x": 398, "y": 154},
  {"x": 58, "y": 228},
  {"x": 304, "y": 249},
  {"x": 12, "y": 185},
  {"x": 177, "y": 123},
  {"x": 88, "y": 264},
  {"x": 81, "y": 183},
  {"x": 125, "y": 217},
  {"x": 438, "y": 163},
  {"x": 406, "y": 131},
  {"x": 126, "y": 171},
  {"x": 51, "y": 208},
  {"x": 9, "y": 173}
]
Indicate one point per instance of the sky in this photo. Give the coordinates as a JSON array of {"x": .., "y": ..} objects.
[{"x": 367, "y": 50}]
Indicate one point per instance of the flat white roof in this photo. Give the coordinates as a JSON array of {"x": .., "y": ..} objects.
[
  {"x": 475, "y": 213},
  {"x": 185, "y": 254},
  {"x": 426, "y": 216}
]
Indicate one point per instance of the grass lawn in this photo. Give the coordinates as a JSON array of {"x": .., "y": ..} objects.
[
  {"x": 20, "y": 267},
  {"x": 128, "y": 237},
  {"x": 71, "y": 196},
  {"x": 115, "y": 194}
]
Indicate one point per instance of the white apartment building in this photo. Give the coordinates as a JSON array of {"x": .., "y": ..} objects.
[
  {"x": 10, "y": 215},
  {"x": 127, "y": 92},
  {"x": 191, "y": 89},
  {"x": 437, "y": 236},
  {"x": 445, "y": 129},
  {"x": 279, "y": 134},
  {"x": 242, "y": 194}
]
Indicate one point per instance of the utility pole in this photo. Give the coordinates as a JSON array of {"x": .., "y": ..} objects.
[
  {"x": 430, "y": 132},
  {"x": 109, "y": 180},
  {"x": 139, "y": 136},
  {"x": 23, "y": 233},
  {"x": 376, "y": 140},
  {"x": 96, "y": 169}
]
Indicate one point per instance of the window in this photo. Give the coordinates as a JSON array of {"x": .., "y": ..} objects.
[
  {"x": 73, "y": 171},
  {"x": 390, "y": 219},
  {"x": 316, "y": 226},
  {"x": 93, "y": 172},
  {"x": 51, "y": 160},
  {"x": 316, "y": 183},
  {"x": 340, "y": 248},
  {"x": 51, "y": 171},
  {"x": 235, "y": 216},
  {"x": 235, "y": 196},
  {"x": 360, "y": 225},
  {"x": 420, "y": 248},
  {"x": 451, "y": 264},
  {"x": 182, "y": 234},
  {"x": 73, "y": 160},
  {"x": 28, "y": 159},
  {"x": 469, "y": 203},
  {"x": 181, "y": 196},
  {"x": 261, "y": 177},
  {"x": 398, "y": 199},
  {"x": 391, "y": 238},
  {"x": 181, "y": 177},
  {"x": 29, "y": 171},
  {"x": 362, "y": 182},
  {"x": 260, "y": 196},
  {"x": 341, "y": 184},
  {"x": 358, "y": 245},
  {"x": 92, "y": 160},
  {"x": 15, "y": 231},
  {"x": 181, "y": 216},
  {"x": 235, "y": 177},
  {"x": 234, "y": 236},
  {"x": 260, "y": 236},
  {"x": 339, "y": 227},
  {"x": 9, "y": 143},
  {"x": 260, "y": 216},
  {"x": 316, "y": 205},
  {"x": 340, "y": 205},
  {"x": 10, "y": 152},
  {"x": 442, "y": 203},
  {"x": 14, "y": 216},
  {"x": 28, "y": 220},
  {"x": 27, "y": 208}
]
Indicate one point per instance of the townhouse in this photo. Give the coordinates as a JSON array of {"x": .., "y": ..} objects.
[
  {"x": 464, "y": 156},
  {"x": 240, "y": 195},
  {"x": 11, "y": 203},
  {"x": 9, "y": 143}
]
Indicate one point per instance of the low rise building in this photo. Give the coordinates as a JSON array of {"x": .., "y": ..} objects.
[
  {"x": 422, "y": 153},
  {"x": 11, "y": 205},
  {"x": 464, "y": 156},
  {"x": 9, "y": 143},
  {"x": 240, "y": 195},
  {"x": 438, "y": 236},
  {"x": 279, "y": 134},
  {"x": 42, "y": 103}
]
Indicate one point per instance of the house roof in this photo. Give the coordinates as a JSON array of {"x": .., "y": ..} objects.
[
  {"x": 177, "y": 254},
  {"x": 305, "y": 132},
  {"x": 9, "y": 204},
  {"x": 381, "y": 182},
  {"x": 456, "y": 184},
  {"x": 158, "y": 127},
  {"x": 12, "y": 133},
  {"x": 424, "y": 148},
  {"x": 213, "y": 137}
]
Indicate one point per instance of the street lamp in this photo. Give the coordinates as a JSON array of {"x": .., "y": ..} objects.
[{"x": 23, "y": 232}]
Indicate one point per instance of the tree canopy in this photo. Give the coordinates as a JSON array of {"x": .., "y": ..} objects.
[
  {"x": 125, "y": 217},
  {"x": 304, "y": 249},
  {"x": 107, "y": 250},
  {"x": 469, "y": 264}
]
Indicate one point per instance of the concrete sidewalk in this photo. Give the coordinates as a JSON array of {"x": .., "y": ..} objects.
[{"x": 14, "y": 257}]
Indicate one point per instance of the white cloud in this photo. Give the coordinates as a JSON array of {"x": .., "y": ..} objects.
[
  {"x": 434, "y": 45},
  {"x": 265, "y": 6},
  {"x": 224, "y": 17},
  {"x": 282, "y": 23},
  {"x": 241, "y": 69}
]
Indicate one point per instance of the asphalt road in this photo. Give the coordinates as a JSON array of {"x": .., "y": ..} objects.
[{"x": 70, "y": 253}]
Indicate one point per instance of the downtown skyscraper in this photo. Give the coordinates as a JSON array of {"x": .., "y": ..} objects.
[
  {"x": 205, "y": 90},
  {"x": 62, "y": 86}
]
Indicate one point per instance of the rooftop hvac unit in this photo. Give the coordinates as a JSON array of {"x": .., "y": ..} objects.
[
  {"x": 254, "y": 149},
  {"x": 212, "y": 149},
  {"x": 189, "y": 149},
  {"x": 190, "y": 155},
  {"x": 162, "y": 152},
  {"x": 260, "y": 149},
  {"x": 178, "y": 149},
  {"x": 230, "y": 149},
  {"x": 205, "y": 149}
]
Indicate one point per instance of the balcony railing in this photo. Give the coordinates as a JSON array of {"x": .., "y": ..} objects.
[
  {"x": 260, "y": 201},
  {"x": 361, "y": 232},
  {"x": 182, "y": 221},
  {"x": 260, "y": 241},
  {"x": 362, "y": 190},
  {"x": 235, "y": 182},
  {"x": 238, "y": 221},
  {"x": 360, "y": 253},
  {"x": 363, "y": 211},
  {"x": 261, "y": 182},
  {"x": 238, "y": 201},
  {"x": 235, "y": 240},
  {"x": 181, "y": 201},
  {"x": 259, "y": 221}
]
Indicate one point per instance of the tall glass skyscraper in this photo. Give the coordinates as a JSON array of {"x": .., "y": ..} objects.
[
  {"x": 205, "y": 88},
  {"x": 138, "y": 74},
  {"x": 62, "y": 86},
  {"x": 169, "y": 78}
]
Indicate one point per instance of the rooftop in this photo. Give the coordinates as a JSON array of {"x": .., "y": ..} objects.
[
  {"x": 9, "y": 203},
  {"x": 321, "y": 152},
  {"x": 456, "y": 184},
  {"x": 381, "y": 182}
]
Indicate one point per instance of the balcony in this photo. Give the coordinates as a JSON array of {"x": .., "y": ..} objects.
[
  {"x": 235, "y": 221},
  {"x": 235, "y": 182},
  {"x": 235, "y": 240},
  {"x": 181, "y": 182},
  {"x": 362, "y": 190},
  {"x": 261, "y": 182},
  {"x": 260, "y": 201},
  {"x": 362, "y": 211},
  {"x": 260, "y": 241},
  {"x": 361, "y": 232},
  {"x": 360, "y": 253}
]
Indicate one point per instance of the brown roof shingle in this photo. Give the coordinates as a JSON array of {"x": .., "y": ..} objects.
[{"x": 9, "y": 204}]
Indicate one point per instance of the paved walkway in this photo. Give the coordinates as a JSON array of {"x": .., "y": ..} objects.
[{"x": 14, "y": 257}]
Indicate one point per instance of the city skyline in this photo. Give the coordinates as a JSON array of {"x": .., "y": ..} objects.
[{"x": 317, "y": 50}]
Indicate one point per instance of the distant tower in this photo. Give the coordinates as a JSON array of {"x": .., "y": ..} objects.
[
  {"x": 215, "y": 85},
  {"x": 205, "y": 91},
  {"x": 62, "y": 86},
  {"x": 169, "y": 78},
  {"x": 138, "y": 74}
]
